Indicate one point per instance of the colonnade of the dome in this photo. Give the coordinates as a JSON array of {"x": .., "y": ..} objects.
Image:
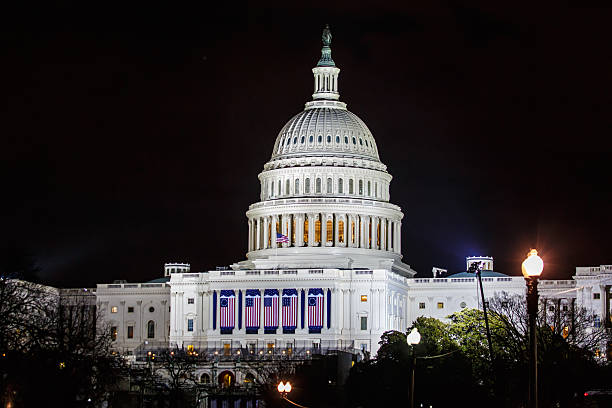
[{"x": 321, "y": 229}]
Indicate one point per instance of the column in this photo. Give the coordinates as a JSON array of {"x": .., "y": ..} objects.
[
  {"x": 311, "y": 229},
  {"x": 284, "y": 228},
  {"x": 374, "y": 309},
  {"x": 336, "y": 219},
  {"x": 210, "y": 309},
  {"x": 299, "y": 230},
  {"x": 399, "y": 237},
  {"x": 383, "y": 233},
  {"x": 289, "y": 228},
  {"x": 250, "y": 236},
  {"x": 346, "y": 226},
  {"x": 390, "y": 235},
  {"x": 266, "y": 222},
  {"x": 274, "y": 223},
  {"x": 257, "y": 230},
  {"x": 375, "y": 236},
  {"x": 323, "y": 229},
  {"x": 361, "y": 231},
  {"x": 345, "y": 310},
  {"x": 368, "y": 232}
]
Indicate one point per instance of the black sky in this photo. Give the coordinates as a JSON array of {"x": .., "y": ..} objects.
[{"x": 133, "y": 136}]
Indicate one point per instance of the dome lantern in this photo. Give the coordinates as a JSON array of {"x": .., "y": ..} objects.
[{"x": 326, "y": 72}]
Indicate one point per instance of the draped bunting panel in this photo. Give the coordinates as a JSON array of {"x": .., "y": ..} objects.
[
  {"x": 316, "y": 302},
  {"x": 290, "y": 310},
  {"x": 270, "y": 310},
  {"x": 252, "y": 310}
]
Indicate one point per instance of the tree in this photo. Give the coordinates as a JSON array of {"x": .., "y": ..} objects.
[{"x": 176, "y": 368}]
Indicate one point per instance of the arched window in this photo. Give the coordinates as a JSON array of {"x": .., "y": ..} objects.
[
  {"x": 310, "y": 139},
  {"x": 361, "y": 142},
  {"x": 369, "y": 188},
  {"x": 307, "y": 186},
  {"x": 351, "y": 186},
  {"x": 378, "y": 235},
  {"x": 340, "y": 187},
  {"x": 341, "y": 231},
  {"x": 337, "y": 139},
  {"x": 317, "y": 237},
  {"x": 360, "y": 187},
  {"x": 205, "y": 378},
  {"x": 320, "y": 139},
  {"x": 295, "y": 140},
  {"x": 330, "y": 231},
  {"x": 354, "y": 140},
  {"x": 302, "y": 140},
  {"x": 318, "y": 190},
  {"x": 328, "y": 139},
  {"x": 329, "y": 186},
  {"x": 151, "y": 329},
  {"x": 353, "y": 232},
  {"x": 226, "y": 379},
  {"x": 346, "y": 139},
  {"x": 305, "y": 231},
  {"x": 287, "y": 187},
  {"x": 286, "y": 144},
  {"x": 297, "y": 186}
]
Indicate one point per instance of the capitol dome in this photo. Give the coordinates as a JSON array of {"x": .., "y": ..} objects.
[{"x": 325, "y": 200}]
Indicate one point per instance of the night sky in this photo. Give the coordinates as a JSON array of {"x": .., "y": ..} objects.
[{"x": 133, "y": 136}]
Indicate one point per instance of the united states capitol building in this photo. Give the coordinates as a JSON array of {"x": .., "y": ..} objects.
[{"x": 324, "y": 268}]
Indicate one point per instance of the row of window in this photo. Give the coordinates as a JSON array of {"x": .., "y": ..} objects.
[
  {"x": 369, "y": 189},
  {"x": 130, "y": 331},
  {"x": 286, "y": 141},
  {"x": 130, "y": 309}
]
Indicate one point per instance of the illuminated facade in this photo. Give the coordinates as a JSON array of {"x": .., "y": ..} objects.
[{"x": 323, "y": 269}]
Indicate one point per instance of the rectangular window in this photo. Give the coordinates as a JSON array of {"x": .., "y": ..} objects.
[
  {"x": 190, "y": 325},
  {"x": 114, "y": 332},
  {"x": 364, "y": 323},
  {"x": 190, "y": 301},
  {"x": 190, "y": 347},
  {"x": 114, "y": 309},
  {"x": 364, "y": 346},
  {"x": 440, "y": 305},
  {"x": 130, "y": 332},
  {"x": 364, "y": 298},
  {"x": 130, "y": 309},
  {"x": 596, "y": 296},
  {"x": 421, "y": 305},
  {"x": 227, "y": 349}
]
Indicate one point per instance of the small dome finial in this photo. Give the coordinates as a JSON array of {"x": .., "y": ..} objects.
[{"x": 326, "y": 59}]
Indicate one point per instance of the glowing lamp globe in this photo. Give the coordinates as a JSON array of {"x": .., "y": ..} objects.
[
  {"x": 414, "y": 337},
  {"x": 533, "y": 265},
  {"x": 281, "y": 387},
  {"x": 288, "y": 387}
]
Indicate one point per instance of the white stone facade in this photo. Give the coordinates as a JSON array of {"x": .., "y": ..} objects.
[{"x": 323, "y": 235}]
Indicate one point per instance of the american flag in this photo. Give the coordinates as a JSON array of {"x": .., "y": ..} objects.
[
  {"x": 280, "y": 238},
  {"x": 227, "y": 304},
  {"x": 270, "y": 308},
  {"x": 252, "y": 308},
  {"x": 315, "y": 308},
  {"x": 290, "y": 308}
]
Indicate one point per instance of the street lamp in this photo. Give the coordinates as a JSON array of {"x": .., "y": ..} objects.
[
  {"x": 413, "y": 339},
  {"x": 532, "y": 269}
]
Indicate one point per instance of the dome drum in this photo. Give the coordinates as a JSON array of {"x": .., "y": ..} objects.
[{"x": 324, "y": 182}]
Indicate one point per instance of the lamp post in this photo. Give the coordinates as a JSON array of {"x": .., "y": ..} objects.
[
  {"x": 413, "y": 339},
  {"x": 532, "y": 268}
]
